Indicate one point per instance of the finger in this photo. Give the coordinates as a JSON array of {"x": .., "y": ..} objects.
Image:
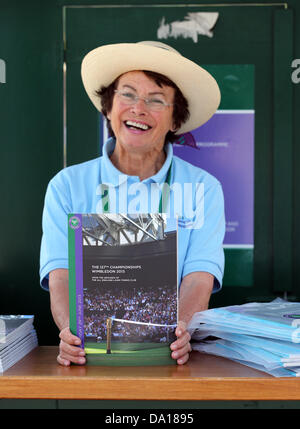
[
  {"x": 66, "y": 348},
  {"x": 183, "y": 359},
  {"x": 64, "y": 362},
  {"x": 68, "y": 337},
  {"x": 181, "y": 341},
  {"x": 72, "y": 353},
  {"x": 80, "y": 360},
  {"x": 181, "y": 352}
]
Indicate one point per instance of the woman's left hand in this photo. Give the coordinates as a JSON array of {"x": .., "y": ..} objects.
[{"x": 181, "y": 348}]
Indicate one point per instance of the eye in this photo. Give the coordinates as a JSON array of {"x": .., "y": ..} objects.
[
  {"x": 156, "y": 102},
  {"x": 128, "y": 96}
]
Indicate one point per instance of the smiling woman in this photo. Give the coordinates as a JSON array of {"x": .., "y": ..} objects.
[{"x": 149, "y": 94}]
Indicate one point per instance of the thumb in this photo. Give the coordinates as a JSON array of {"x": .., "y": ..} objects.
[{"x": 181, "y": 328}]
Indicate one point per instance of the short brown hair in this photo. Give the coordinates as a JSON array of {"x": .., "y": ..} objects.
[{"x": 180, "y": 112}]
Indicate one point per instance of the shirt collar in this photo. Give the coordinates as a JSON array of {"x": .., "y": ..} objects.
[{"x": 111, "y": 175}]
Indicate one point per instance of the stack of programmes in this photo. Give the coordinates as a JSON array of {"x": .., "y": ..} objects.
[
  {"x": 264, "y": 336},
  {"x": 17, "y": 338}
]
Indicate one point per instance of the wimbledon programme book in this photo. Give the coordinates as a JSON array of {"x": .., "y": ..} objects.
[{"x": 123, "y": 287}]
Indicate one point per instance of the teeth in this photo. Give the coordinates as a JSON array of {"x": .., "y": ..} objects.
[{"x": 137, "y": 125}]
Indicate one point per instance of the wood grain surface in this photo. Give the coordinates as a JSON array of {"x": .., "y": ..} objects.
[{"x": 205, "y": 377}]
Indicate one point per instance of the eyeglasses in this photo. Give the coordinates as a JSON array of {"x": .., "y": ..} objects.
[{"x": 129, "y": 98}]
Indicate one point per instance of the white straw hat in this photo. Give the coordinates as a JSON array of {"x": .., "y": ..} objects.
[{"x": 101, "y": 66}]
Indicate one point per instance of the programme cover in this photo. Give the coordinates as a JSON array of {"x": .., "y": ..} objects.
[{"x": 123, "y": 287}]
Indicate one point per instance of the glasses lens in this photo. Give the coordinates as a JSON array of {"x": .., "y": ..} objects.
[
  {"x": 128, "y": 97},
  {"x": 156, "y": 105}
]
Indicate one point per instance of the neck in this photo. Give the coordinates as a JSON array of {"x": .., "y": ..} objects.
[{"x": 142, "y": 164}]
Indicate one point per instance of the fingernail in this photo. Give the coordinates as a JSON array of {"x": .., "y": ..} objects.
[
  {"x": 175, "y": 354},
  {"x": 82, "y": 353},
  {"x": 81, "y": 360}
]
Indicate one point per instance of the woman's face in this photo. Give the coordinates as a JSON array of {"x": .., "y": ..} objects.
[{"x": 156, "y": 124}]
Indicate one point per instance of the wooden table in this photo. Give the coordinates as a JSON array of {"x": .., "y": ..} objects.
[{"x": 205, "y": 377}]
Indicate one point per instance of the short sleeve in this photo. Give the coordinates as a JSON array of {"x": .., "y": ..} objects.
[
  {"x": 54, "y": 244},
  {"x": 205, "y": 248}
]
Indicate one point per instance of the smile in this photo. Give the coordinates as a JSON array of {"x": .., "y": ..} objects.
[{"x": 137, "y": 125}]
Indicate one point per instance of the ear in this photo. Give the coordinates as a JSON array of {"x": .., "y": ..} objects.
[{"x": 174, "y": 128}]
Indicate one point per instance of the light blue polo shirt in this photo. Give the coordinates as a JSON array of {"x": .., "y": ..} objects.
[{"x": 195, "y": 196}]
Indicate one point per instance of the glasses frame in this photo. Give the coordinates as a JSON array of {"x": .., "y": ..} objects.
[{"x": 145, "y": 99}]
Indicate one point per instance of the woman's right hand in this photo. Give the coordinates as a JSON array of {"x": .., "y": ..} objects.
[{"x": 69, "y": 352}]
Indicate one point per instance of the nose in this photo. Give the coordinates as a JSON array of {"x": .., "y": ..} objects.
[{"x": 139, "y": 108}]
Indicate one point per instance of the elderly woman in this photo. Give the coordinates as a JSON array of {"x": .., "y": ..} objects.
[{"x": 149, "y": 94}]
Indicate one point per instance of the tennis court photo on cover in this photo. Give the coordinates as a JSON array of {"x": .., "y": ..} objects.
[{"x": 123, "y": 287}]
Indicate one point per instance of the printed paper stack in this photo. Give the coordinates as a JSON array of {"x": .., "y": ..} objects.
[
  {"x": 265, "y": 336},
  {"x": 17, "y": 338}
]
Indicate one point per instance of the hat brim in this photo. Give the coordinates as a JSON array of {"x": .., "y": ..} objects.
[{"x": 101, "y": 66}]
